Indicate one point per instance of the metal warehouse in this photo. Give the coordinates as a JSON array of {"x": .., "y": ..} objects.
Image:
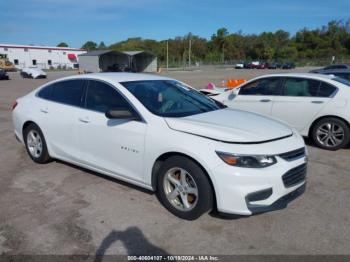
[
  {"x": 116, "y": 61},
  {"x": 44, "y": 57}
]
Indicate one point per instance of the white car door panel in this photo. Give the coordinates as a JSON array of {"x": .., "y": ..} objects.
[
  {"x": 60, "y": 108},
  {"x": 301, "y": 101},
  {"x": 257, "y": 104},
  {"x": 297, "y": 111},
  {"x": 113, "y": 145},
  {"x": 256, "y": 96}
]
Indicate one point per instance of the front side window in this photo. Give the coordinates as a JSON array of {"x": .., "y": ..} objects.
[
  {"x": 68, "y": 92},
  {"x": 101, "y": 97},
  {"x": 262, "y": 87},
  {"x": 300, "y": 87},
  {"x": 169, "y": 98}
]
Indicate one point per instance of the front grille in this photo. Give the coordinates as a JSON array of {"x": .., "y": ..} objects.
[
  {"x": 292, "y": 155},
  {"x": 294, "y": 176}
]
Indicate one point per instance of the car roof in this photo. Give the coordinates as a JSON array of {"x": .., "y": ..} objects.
[
  {"x": 347, "y": 65},
  {"x": 344, "y": 70},
  {"x": 119, "y": 77},
  {"x": 306, "y": 75}
]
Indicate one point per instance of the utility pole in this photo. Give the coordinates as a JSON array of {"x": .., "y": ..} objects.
[
  {"x": 223, "y": 53},
  {"x": 167, "y": 55},
  {"x": 189, "y": 54}
]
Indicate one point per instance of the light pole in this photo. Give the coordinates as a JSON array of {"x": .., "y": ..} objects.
[
  {"x": 167, "y": 55},
  {"x": 189, "y": 54}
]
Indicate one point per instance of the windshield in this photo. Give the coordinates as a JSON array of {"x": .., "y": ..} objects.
[
  {"x": 170, "y": 98},
  {"x": 342, "y": 80}
]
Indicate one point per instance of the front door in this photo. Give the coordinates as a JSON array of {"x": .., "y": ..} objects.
[
  {"x": 256, "y": 96},
  {"x": 113, "y": 145}
]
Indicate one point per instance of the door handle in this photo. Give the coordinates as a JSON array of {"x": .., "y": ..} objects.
[
  {"x": 44, "y": 110},
  {"x": 265, "y": 100},
  {"x": 317, "y": 102},
  {"x": 84, "y": 119}
]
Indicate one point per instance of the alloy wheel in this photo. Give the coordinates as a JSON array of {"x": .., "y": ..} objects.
[
  {"x": 34, "y": 143},
  {"x": 180, "y": 189},
  {"x": 330, "y": 134}
]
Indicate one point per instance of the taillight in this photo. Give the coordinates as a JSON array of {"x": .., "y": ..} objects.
[{"x": 14, "y": 105}]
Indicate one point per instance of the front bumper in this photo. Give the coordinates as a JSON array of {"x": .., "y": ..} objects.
[
  {"x": 245, "y": 191},
  {"x": 280, "y": 203}
]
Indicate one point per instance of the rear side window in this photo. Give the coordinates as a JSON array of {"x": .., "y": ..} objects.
[
  {"x": 262, "y": 87},
  {"x": 68, "y": 92},
  {"x": 102, "y": 97},
  {"x": 326, "y": 90},
  {"x": 46, "y": 92},
  {"x": 300, "y": 87}
]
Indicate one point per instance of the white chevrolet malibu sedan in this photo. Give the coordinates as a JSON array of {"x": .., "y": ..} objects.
[
  {"x": 318, "y": 106},
  {"x": 161, "y": 134}
]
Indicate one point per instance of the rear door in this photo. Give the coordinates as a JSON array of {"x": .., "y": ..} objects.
[
  {"x": 256, "y": 96},
  {"x": 61, "y": 109},
  {"x": 301, "y": 100}
]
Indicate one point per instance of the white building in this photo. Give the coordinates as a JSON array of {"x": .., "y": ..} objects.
[{"x": 44, "y": 57}]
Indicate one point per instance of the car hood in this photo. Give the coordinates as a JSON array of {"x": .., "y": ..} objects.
[{"x": 231, "y": 126}]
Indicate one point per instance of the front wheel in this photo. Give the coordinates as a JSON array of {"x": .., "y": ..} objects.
[
  {"x": 331, "y": 133},
  {"x": 35, "y": 144},
  {"x": 183, "y": 188}
]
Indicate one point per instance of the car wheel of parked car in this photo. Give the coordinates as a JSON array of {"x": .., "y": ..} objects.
[
  {"x": 331, "y": 133},
  {"x": 36, "y": 145},
  {"x": 183, "y": 188}
]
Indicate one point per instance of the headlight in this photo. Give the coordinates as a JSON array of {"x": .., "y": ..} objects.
[{"x": 250, "y": 161}]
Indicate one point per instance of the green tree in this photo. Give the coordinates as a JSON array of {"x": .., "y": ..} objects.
[
  {"x": 89, "y": 45},
  {"x": 62, "y": 44},
  {"x": 102, "y": 46}
]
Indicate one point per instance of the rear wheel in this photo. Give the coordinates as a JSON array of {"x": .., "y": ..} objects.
[
  {"x": 331, "y": 133},
  {"x": 183, "y": 188},
  {"x": 36, "y": 144}
]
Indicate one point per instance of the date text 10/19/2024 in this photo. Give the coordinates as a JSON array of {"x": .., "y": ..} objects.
[{"x": 173, "y": 258}]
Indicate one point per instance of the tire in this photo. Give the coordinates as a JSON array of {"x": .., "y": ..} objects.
[
  {"x": 188, "y": 198},
  {"x": 35, "y": 144},
  {"x": 331, "y": 133}
]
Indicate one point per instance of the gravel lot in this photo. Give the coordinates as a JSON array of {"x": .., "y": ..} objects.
[{"x": 61, "y": 209}]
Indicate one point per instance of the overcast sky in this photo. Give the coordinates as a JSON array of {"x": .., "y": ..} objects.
[{"x": 48, "y": 22}]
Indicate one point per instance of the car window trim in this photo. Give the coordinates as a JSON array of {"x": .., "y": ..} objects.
[{"x": 141, "y": 118}]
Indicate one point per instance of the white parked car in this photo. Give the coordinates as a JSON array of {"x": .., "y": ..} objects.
[
  {"x": 318, "y": 106},
  {"x": 33, "y": 72},
  {"x": 162, "y": 135},
  {"x": 239, "y": 65}
]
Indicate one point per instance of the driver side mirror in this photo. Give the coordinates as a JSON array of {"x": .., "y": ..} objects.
[{"x": 121, "y": 114}]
